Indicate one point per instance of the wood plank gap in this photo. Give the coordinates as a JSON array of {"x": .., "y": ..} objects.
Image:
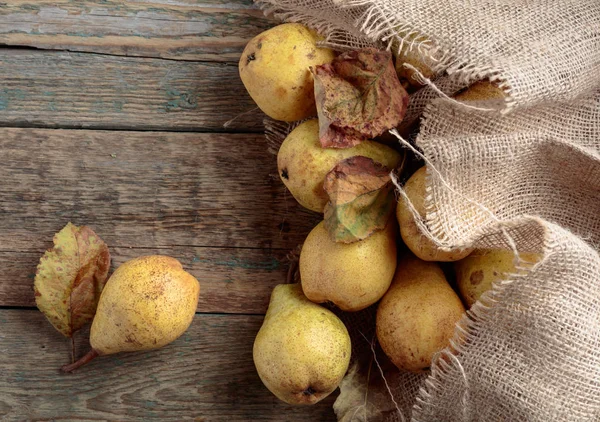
[
  {"x": 250, "y": 248},
  {"x": 250, "y": 314},
  {"x": 4, "y": 46},
  {"x": 36, "y": 125}
]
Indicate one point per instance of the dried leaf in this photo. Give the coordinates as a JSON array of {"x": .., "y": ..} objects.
[
  {"x": 358, "y": 97},
  {"x": 360, "y": 199},
  {"x": 354, "y": 404},
  {"x": 364, "y": 396},
  {"x": 70, "y": 278}
]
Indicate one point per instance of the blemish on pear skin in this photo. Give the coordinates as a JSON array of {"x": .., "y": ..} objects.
[
  {"x": 284, "y": 174},
  {"x": 130, "y": 338},
  {"x": 476, "y": 277},
  {"x": 280, "y": 92}
]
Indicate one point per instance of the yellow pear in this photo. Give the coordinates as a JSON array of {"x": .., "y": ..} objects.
[
  {"x": 476, "y": 273},
  {"x": 303, "y": 163},
  {"x": 147, "y": 303},
  {"x": 302, "y": 350},
  {"x": 351, "y": 275},
  {"x": 417, "y": 316},
  {"x": 481, "y": 91},
  {"x": 411, "y": 234},
  {"x": 416, "y": 51},
  {"x": 275, "y": 69}
]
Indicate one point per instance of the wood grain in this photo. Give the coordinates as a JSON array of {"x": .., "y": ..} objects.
[
  {"x": 196, "y": 197},
  {"x": 233, "y": 280},
  {"x": 207, "y": 30},
  {"x": 205, "y": 375},
  {"x": 77, "y": 90},
  {"x": 145, "y": 189}
]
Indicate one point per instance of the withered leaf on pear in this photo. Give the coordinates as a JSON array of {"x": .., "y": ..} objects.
[
  {"x": 361, "y": 199},
  {"x": 358, "y": 97}
]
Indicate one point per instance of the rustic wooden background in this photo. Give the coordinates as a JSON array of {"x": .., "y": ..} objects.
[{"x": 111, "y": 115}]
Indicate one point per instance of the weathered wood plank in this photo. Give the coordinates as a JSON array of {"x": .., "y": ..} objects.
[
  {"x": 206, "y": 375},
  {"x": 145, "y": 190},
  {"x": 77, "y": 90},
  {"x": 177, "y": 29},
  {"x": 233, "y": 280}
]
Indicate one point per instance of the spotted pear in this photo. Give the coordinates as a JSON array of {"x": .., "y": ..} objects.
[
  {"x": 275, "y": 69},
  {"x": 419, "y": 244},
  {"x": 351, "y": 275},
  {"x": 147, "y": 303},
  {"x": 303, "y": 163},
  {"x": 302, "y": 350}
]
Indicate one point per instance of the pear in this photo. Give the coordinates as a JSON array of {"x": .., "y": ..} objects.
[
  {"x": 481, "y": 91},
  {"x": 303, "y": 163},
  {"x": 302, "y": 350},
  {"x": 412, "y": 236},
  {"x": 275, "y": 69},
  {"x": 417, "y": 316},
  {"x": 416, "y": 51},
  {"x": 477, "y": 273},
  {"x": 147, "y": 303},
  {"x": 351, "y": 275}
]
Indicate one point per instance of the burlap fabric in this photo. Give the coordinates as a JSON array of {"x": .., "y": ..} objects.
[{"x": 524, "y": 177}]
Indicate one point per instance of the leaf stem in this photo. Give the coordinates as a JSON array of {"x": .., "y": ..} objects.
[{"x": 85, "y": 359}]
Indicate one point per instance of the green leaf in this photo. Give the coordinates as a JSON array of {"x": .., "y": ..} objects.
[
  {"x": 361, "y": 199},
  {"x": 70, "y": 278},
  {"x": 358, "y": 97}
]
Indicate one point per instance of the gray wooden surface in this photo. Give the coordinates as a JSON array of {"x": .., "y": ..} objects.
[{"x": 111, "y": 115}]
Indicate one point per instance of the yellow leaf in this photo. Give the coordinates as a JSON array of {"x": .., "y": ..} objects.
[{"x": 70, "y": 278}]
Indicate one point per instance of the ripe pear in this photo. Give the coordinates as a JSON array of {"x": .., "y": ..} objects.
[
  {"x": 147, "y": 303},
  {"x": 303, "y": 163},
  {"x": 275, "y": 69},
  {"x": 412, "y": 236},
  {"x": 476, "y": 273},
  {"x": 416, "y": 51},
  {"x": 351, "y": 275},
  {"x": 302, "y": 350},
  {"x": 481, "y": 91},
  {"x": 417, "y": 316}
]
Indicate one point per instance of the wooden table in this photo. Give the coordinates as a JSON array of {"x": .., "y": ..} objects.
[{"x": 111, "y": 115}]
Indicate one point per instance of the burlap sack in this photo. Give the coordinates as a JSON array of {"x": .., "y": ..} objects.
[{"x": 524, "y": 177}]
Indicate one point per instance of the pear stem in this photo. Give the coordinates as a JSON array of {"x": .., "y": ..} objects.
[{"x": 84, "y": 359}]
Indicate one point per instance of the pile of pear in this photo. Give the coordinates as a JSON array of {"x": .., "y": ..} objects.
[{"x": 303, "y": 349}]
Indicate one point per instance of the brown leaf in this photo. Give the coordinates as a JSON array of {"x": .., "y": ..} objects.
[
  {"x": 360, "y": 199},
  {"x": 358, "y": 97},
  {"x": 70, "y": 278}
]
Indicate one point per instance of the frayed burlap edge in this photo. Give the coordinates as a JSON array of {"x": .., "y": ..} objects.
[{"x": 373, "y": 24}]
